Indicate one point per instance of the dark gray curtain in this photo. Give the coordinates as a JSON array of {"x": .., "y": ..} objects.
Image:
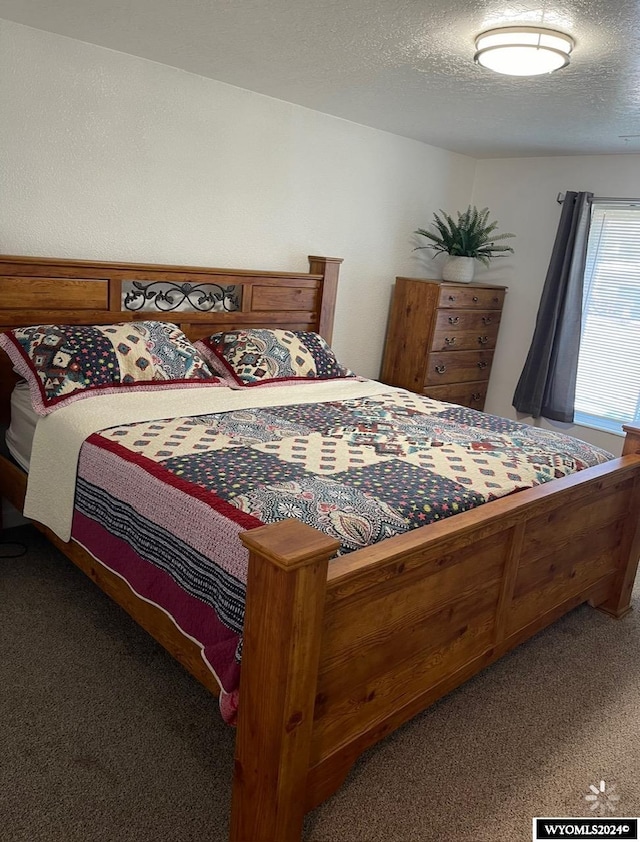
[{"x": 547, "y": 385}]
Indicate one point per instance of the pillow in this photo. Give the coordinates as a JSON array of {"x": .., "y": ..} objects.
[
  {"x": 62, "y": 363},
  {"x": 260, "y": 357}
]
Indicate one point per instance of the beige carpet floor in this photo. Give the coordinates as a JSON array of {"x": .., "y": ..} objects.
[{"x": 103, "y": 737}]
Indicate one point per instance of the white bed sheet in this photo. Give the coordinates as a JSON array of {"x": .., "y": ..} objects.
[{"x": 19, "y": 436}]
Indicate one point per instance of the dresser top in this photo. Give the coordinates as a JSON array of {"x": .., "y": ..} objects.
[{"x": 453, "y": 284}]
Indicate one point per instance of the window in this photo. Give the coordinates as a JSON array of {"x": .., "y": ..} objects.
[{"x": 608, "y": 382}]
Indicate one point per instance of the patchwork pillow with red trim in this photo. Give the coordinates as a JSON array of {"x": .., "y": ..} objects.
[
  {"x": 62, "y": 363},
  {"x": 260, "y": 357}
]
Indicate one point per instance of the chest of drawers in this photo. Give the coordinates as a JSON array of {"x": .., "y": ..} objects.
[{"x": 441, "y": 337}]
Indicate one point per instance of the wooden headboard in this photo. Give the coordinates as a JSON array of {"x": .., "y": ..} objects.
[{"x": 35, "y": 290}]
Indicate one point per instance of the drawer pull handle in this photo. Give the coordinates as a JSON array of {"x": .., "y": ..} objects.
[
  {"x": 496, "y": 300},
  {"x": 452, "y": 298},
  {"x": 486, "y": 320},
  {"x": 482, "y": 364},
  {"x": 483, "y": 340},
  {"x": 453, "y": 320},
  {"x": 476, "y": 396},
  {"x": 475, "y": 299},
  {"x": 441, "y": 369},
  {"x": 450, "y": 340}
]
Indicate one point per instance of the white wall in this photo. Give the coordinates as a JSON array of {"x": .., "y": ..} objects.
[
  {"x": 521, "y": 193},
  {"x": 108, "y": 156}
]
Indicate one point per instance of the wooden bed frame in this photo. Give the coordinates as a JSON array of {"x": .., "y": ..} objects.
[{"x": 362, "y": 644}]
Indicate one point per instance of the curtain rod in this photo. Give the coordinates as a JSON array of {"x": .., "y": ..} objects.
[{"x": 610, "y": 199}]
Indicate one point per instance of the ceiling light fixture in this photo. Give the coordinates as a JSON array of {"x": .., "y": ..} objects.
[{"x": 523, "y": 50}]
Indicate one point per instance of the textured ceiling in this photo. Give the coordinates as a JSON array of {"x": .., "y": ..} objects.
[{"x": 398, "y": 65}]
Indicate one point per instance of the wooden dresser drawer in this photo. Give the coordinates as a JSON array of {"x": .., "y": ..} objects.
[
  {"x": 471, "y": 298},
  {"x": 441, "y": 338},
  {"x": 457, "y": 367},
  {"x": 464, "y": 330},
  {"x": 472, "y": 394}
]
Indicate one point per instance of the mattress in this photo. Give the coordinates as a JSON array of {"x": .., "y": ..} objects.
[
  {"x": 161, "y": 503},
  {"x": 19, "y": 436},
  {"x": 165, "y": 482}
]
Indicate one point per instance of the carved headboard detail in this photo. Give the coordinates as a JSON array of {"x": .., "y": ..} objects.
[{"x": 35, "y": 290}]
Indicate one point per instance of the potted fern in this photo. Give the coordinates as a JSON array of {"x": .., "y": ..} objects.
[{"x": 469, "y": 238}]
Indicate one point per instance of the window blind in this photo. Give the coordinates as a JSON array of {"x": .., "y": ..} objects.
[{"x": 608, "y": 380}]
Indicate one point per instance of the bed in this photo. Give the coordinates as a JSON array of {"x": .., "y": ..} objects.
[{"x": 364, "y": 641}]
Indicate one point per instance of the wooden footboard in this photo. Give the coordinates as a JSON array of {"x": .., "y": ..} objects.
[{"x": 392, "y": 628}]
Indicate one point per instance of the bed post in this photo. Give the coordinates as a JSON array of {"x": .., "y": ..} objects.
[
  {"x": 619, "y": 602},
  {"x": 286, "y": 591},
  {"x": 329, "y": 268},
  {"x": 631, "y": 440}
]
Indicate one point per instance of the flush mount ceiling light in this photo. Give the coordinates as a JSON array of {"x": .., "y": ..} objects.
[{"x": 523, "y": 50}]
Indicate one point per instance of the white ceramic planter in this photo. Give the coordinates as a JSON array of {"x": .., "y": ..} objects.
[{"x": 458, "y": 269}]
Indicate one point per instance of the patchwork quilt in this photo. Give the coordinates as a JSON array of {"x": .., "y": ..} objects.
[{"x": 161, "y": 503}]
